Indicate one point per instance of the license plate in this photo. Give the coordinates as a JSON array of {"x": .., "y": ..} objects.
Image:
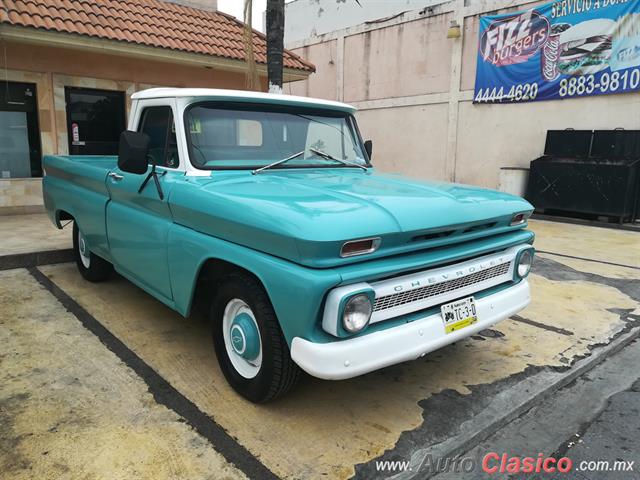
[{"x": 459, "y": 314}]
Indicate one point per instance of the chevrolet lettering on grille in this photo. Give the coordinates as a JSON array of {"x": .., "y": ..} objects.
[
  {"x": 411, "y": 293},
  {"x": 448, "y": 276}
]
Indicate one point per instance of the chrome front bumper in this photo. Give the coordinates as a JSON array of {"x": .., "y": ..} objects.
[{"x": 359, "y": 355}]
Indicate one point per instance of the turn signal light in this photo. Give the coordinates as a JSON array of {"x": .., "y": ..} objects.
[
  {"x": 519, "y": 218},
  {"x": 360, "y": 247}
]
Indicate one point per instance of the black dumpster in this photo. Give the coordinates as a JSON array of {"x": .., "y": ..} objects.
[
  {"x": 568, "y": 143},
  {"x": 588, "y": 174}
]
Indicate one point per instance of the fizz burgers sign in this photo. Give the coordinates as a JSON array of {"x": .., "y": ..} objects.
[{"x": 563, "y": 49}]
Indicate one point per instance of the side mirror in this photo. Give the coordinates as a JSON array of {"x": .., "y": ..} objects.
[
  {"x": 133, "y": 152},
  {"x": 368, "y": 147}
]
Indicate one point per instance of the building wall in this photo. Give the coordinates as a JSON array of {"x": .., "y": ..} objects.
[
  {"x": 490, "y": 137},
  {"x": 407, "y": 139},
  {"x": 307, "y": 18},
  {"x": 382, "y": 63},
  {"x": 325, "y": 54},
  {"x": 414, "y": 89},
  {"x": 200, "y": 4},
  {"x": 53, "y": 69}
]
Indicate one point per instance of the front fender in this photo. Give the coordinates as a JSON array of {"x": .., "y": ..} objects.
[{"x": 297, "y": 293}]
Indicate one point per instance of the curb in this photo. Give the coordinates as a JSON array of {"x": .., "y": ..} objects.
[
  {"x": 34, "y": 259},
  {"x": 509, "y": 405}
]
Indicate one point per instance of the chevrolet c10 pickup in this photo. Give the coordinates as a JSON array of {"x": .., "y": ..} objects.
[{"x": 266, "y": 210}]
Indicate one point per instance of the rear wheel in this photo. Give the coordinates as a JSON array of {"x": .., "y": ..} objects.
[
  {"x": 91, "y": 266},
  {"x": 251, "y": 350}
]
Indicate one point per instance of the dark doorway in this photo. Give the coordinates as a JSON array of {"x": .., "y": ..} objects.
[
  {"x": 20, "y": 153},
  {"x": 95, "y": 120}
]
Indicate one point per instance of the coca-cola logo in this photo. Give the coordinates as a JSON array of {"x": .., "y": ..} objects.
[
  {"x": 551, "y": 52},
  {"x": 514, "y": 39},
  {"x": 550, "y": 58}
]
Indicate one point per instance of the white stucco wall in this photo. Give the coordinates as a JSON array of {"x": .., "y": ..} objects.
[
  {"x": 308, "y": 18},
  {"x": 201, "y": 4},
  {"x": 408, "y": 139}
]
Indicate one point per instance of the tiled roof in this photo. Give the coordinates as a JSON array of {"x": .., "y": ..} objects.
[{"x": 145, "y": 22}]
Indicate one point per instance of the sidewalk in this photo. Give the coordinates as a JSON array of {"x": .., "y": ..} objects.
[{"x": 28, "y": 240}]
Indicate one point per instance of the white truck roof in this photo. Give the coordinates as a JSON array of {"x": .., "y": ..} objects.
[{"x": 241, "y": 96}]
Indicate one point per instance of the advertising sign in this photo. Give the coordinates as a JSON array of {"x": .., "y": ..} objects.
[{"x": 562, "y": 49}]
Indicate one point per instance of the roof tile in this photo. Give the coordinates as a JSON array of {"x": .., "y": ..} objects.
[{"x": 146, "y": 22}]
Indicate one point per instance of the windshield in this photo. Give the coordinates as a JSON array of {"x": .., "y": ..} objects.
[{"x": 252, "y": 136}]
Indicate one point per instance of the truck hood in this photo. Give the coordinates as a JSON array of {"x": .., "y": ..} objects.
[{"x": 306, "y": 215}]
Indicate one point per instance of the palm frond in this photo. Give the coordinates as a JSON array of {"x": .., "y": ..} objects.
[{"x": 252, "y": 82}]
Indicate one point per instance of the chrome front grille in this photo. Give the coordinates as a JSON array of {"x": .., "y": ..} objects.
[{"x": 402, "y": 298}]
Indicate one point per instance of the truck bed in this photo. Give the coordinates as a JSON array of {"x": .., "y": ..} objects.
[
  {"x": 88, "y": 163},
  {"x": 76, "y": 185},
  {"x": 82, "y": 171}
]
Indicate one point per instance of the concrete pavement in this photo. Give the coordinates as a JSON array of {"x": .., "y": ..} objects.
[
  {"x": 592, "y": 419},
  {"x": 585, "y": 289},
  {"x": 606, "y": 447},
  {"x": 69, "y": 408}
]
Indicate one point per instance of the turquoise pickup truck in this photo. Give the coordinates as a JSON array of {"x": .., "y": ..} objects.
[{"x": 266, "y": 210}]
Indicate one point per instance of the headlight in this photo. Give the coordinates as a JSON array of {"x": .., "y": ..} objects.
[
  {"x": 524, "y": 262},
  {"x": 357, "y": 313}
]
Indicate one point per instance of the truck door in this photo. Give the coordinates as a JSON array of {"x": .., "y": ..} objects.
[{"x": 138, "y": 223}]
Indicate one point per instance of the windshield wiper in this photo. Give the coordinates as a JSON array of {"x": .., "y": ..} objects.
[
  {"x": 320, "y": 153},
  {"x": 341, "y": 160},
  {"x": 279, "y": 162}
]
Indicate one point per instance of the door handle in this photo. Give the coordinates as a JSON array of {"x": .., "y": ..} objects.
[{"x": 115, "y": 176}]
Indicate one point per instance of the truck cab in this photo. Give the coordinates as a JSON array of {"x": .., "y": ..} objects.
[{"x": 268, "y": 209}]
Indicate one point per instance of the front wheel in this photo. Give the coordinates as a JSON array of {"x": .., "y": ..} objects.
[
  {"x": 91, "y": 266},
  {"x": 251, "y": 350}
]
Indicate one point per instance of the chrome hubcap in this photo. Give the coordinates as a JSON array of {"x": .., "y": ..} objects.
[
  {"x": 84, "y": 250},
  {"x": 242, "y": 338}
]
